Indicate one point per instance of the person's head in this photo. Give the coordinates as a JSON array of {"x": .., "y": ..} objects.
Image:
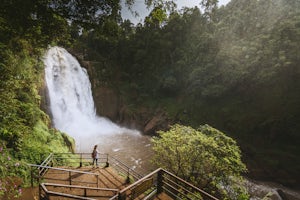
[{"x": 95, "y": 146}]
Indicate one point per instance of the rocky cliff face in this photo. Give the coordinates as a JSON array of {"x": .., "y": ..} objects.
[{"x": 109, "y": 103}]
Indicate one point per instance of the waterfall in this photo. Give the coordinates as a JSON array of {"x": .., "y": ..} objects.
[{"x": 71, "y": 101}]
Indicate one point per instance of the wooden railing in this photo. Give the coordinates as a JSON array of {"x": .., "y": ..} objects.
[
  {"x": 38, "y": 171},
  {"x": 160, "y": 181},
  {"x": 79, "y": 192},
  {"x": 47, "y": 162},
  {"x": 69, "y": 172},
  {"x": 80, "y": 159},
  {"x": 123, "y": 168},
  {"x": 180, "y": 189},
  {"x": 77, "y": 159},
  {"x": 85, "y": 159}
]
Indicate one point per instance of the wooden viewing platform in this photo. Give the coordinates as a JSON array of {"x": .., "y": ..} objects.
[
  {"x": 112, "y": 181},
  {"x": 109, "y": 178}
]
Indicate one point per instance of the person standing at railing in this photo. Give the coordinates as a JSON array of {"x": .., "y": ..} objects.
[{"x": 95, "y": 156}]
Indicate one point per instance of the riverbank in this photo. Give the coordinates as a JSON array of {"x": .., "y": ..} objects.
[{"x": 259, "y": 190}]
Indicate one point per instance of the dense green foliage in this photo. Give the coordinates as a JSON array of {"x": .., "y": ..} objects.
[
  {"x": 24, "y": 126},
  {"x": 26, "y": 28},
  {"x": 206, "y": 157},
  {"x": 236, "y": 69},
  {"x": 19, "y": 97},
  {"x": 12, "y": 173}
]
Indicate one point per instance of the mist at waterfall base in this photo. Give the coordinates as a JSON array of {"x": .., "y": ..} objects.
[{"x": 71, "y": 102}]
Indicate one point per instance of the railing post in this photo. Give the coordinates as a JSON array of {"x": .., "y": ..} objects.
[
  {"x": 40, "y": 192},
  {"x": 97, "y": 176},
  {"x": 121, "y": 196},
  {"x": 52, "y": 158},
  {"x": 159, "y": 181},
  {"x": 128, "y": 176},
  {"x": 39, "y": 179},
  {"x": 70, "y": 177},
  {"x": 31, "y": 174},
  {"x": 107, "y": 163},
  {"x": 80, "y": 165}
]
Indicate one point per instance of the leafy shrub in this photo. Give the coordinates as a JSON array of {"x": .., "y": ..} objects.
[
  {"x": 13, "y": 173},
  {"x": 206, "y": 157}
]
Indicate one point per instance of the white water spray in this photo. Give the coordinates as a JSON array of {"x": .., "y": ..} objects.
[{"x": 71, "y": 100}]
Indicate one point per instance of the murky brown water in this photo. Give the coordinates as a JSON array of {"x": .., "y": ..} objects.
[{"x": 134, "y": 150}]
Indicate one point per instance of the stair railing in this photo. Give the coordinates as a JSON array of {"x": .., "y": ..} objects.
[
  {"x": 70, "y": 172},
  {"x": 160, "y": 181},
  {"x": 85, "y": 159},
  {"x": 86, "y": 193}
]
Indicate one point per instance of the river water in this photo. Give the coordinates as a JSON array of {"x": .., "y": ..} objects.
[{"x": 73, "y": 111}]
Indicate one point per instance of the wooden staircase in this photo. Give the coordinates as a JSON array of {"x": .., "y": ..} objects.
[
  {"x": 108, "y": 178},
  {"x": 112, "y": 181}
]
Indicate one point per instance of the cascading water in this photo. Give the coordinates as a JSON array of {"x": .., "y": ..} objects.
[{"x": 71, "y": 102}]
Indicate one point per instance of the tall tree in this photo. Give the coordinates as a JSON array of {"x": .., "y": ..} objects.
[{"x": 206, "y": 157}]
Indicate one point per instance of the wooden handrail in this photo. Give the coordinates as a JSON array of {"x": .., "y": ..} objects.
[
  {"x": 125, "y": 168},
  {"x": 202, "y": 192},
  {"x": 79, "y": 187},
  {"x": 46, "y": 161},
  {"x": 43, "y": 186},
  {"x": 106, "y": 159},
  {"x": 65, "y": 170},
  {"x": 43, "y": 171},
  {"x": 159, "y": 183},
  {"x": 140, "y": 180},
  {"x": 61, "y": 169}
]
